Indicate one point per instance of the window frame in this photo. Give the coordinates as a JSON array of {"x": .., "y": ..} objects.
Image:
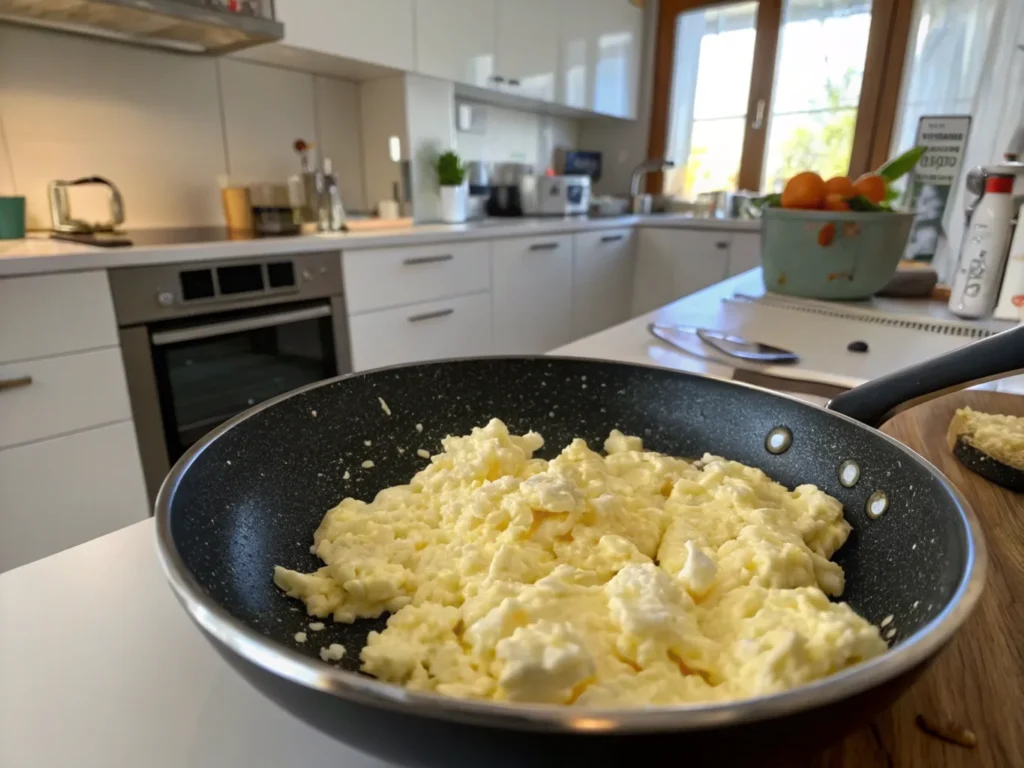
[{"x": 876, "y": 109}]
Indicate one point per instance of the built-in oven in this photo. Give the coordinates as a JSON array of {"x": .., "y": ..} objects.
[{"x": 202, "y": 343}]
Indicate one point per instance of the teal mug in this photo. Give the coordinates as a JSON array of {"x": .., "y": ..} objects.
[{"x": 12, "y": 218}]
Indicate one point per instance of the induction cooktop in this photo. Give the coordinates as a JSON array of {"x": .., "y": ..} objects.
[{"x": 170, "y": 236}]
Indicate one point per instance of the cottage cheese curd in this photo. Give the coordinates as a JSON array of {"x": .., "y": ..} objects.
[{"x": 625, "y": 579}]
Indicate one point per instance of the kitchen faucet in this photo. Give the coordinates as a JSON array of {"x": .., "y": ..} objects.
[{"x": 641, "y": 203}]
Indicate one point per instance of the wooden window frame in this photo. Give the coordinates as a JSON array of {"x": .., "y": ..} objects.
[{"x": 876, "y": 109}]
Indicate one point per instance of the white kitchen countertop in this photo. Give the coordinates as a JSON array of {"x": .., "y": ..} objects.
[{"x": 38, "y": 254}]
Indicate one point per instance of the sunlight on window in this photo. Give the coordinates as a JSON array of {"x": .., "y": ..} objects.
[
  {"x": 818, "y": 74},
  {"x": 711, "y": 85}
]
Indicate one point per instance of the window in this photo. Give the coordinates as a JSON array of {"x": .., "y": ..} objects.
[{"x": 748, "y": 93}]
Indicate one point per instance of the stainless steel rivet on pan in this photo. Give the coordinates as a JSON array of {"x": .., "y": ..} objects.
[
  {"x": 849, "y": 473},
  {"x": 878, "y": 503},
  {"x": 778, "y": 440}
]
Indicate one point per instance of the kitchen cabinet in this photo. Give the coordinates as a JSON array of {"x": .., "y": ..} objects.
[
  {"x": 455, "y": 327},
  {"x": 675, "y": 262},
  {"x": 744, "y": 252},
  {"x": 599, "y": 56},
  {"x": 378, "y": 278},
  {"x": 602, "y": 279},
  {"x": 456, "y": 40},
  {"x": 531, "y": 290},
  {"x": 375, "y": 31},
  {"x": 57, "y": 493},
  {"x": 527, "y": 47}
]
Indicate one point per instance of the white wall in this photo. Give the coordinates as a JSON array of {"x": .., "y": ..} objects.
[
  {"x": 161, "y": 126},
  {"x": 516, "y": 136},
  {"x": 382, "y": 106}
]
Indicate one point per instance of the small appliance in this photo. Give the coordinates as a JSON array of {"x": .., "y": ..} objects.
[{"x": 558, "y": 196}]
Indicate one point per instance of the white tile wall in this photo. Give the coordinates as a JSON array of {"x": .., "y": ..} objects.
[
  {"x": 265, "y": 110},
  {"x": 382, "y": 105},
  {"x": 339, "y": 134},
  {"x": 6, "y": 175},
  {"x": 158, "y": 124},
  {"x": 512, "y": 135}
]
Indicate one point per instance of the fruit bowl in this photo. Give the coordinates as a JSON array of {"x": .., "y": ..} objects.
[{"x": 833, "y": 255}]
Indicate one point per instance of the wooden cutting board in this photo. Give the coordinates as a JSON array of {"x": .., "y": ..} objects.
[{"x": 978, "y": 680}]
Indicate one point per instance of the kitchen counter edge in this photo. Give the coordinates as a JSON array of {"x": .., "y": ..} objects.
[{"x": 39, "y": 255}]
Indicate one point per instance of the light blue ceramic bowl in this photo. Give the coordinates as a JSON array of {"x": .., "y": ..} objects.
[{"x": 840, "y": 255}]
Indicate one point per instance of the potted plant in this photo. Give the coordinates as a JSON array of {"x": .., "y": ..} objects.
[{"x": 451, "y": 175}]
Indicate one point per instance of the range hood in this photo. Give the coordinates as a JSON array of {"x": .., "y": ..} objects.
[{"x": 189, "y": 26}]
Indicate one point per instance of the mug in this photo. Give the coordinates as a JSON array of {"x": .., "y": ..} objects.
[{"x": 12, "y": 218}]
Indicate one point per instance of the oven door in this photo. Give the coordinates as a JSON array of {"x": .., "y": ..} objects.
[
  {"x": 198, "y": 373},
  {"x": 208, "y": 372}
]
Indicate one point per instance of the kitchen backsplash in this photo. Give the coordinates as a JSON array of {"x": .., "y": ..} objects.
[
  {"x": 504, "y": 135},
  {"x": 162, "y": 126}
]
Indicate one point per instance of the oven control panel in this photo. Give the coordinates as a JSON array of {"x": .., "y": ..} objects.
[{"x": 145, "y": 294}]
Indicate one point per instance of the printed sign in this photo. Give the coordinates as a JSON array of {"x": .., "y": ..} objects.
[{"x": 932, "y": 183}]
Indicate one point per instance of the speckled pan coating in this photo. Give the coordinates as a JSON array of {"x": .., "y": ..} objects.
[{"x": 252, "y": 498}]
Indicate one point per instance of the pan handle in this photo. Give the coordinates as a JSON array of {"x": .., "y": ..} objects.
[{"x": 878, "y": 400}]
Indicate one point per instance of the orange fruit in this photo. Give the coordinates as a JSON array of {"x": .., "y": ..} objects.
[
  {"x": 836, "y": 202},
  {"x": 872, "y": 186},
  {"x": 805, "y": 190},
  {"x": 839, "y": 185}
]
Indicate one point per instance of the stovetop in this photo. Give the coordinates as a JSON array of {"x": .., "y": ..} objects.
[{"x": 169, "y": 236}]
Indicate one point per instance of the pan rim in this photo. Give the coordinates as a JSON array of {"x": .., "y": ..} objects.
[{"x": 274, "y": 658}]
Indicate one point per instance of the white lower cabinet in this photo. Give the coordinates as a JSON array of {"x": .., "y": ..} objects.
[
  {"x": 602, "y": 279},
  {"x": 458, "y": 327},
  {"x": 532, "y": 294},
  {"x": 675, "y": 262},
  {"x": 744, "y": 252},
  {"x": 65, "y": 491},
  {"x": 63, "y": 394}
]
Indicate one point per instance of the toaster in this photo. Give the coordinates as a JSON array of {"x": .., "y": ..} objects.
[{"x": 558, "y": 196}]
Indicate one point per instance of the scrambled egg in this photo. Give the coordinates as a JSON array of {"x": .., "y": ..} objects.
[{"x": 626, "y": 579}]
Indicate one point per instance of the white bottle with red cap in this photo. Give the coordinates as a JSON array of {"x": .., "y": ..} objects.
[{"x": 979, "y": 270}]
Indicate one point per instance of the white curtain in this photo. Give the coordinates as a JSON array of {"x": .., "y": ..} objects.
[{"x": 962, "y": 59}]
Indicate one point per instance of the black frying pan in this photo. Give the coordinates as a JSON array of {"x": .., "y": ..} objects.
[{"x": 251, "y": 493}]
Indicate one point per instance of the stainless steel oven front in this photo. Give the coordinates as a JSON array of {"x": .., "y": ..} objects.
[{"x": 203, "y": 342}]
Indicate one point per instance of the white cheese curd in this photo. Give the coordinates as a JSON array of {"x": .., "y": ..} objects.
[{"x": 625, "y": 579}]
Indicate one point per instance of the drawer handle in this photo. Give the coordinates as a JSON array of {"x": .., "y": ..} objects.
[
  {"x": 721, "y": 245},
  {"x": 612, "y": 238},
  {"x": 430, "y": 315},
  {"x": 21, "y": 381},
  {"x": 543, "y": 246},
  {"x": 428, "y": 259}
]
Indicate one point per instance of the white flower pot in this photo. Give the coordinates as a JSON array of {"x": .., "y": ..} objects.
[{"x": 454, "y": 201}]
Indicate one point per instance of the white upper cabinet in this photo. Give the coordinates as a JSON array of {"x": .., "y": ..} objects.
[
  {"x": 599, "y": 61},
  {"x": 375, "y": 31},
  {"x": 456, "y": 40},
  {"x": 527, "y": 38}
]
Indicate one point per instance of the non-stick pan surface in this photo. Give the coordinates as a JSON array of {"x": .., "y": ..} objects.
[{"x": 250, "y": 495}]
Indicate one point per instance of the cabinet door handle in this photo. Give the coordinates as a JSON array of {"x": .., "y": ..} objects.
[
  {"x": 497, "y": 79},
  {"x": 16, "y": 383},
  {"x": 513, "y": 81},
  {"x": 543, "y": 246},
  {"x": 612, "y": 238},
  {"x": 428, "y": 259},
  {"x": 721, "y": 245},
  {"x": 430, "y": 315}
]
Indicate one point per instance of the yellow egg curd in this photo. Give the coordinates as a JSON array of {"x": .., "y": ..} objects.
[{"x": 623, "y": 579}]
